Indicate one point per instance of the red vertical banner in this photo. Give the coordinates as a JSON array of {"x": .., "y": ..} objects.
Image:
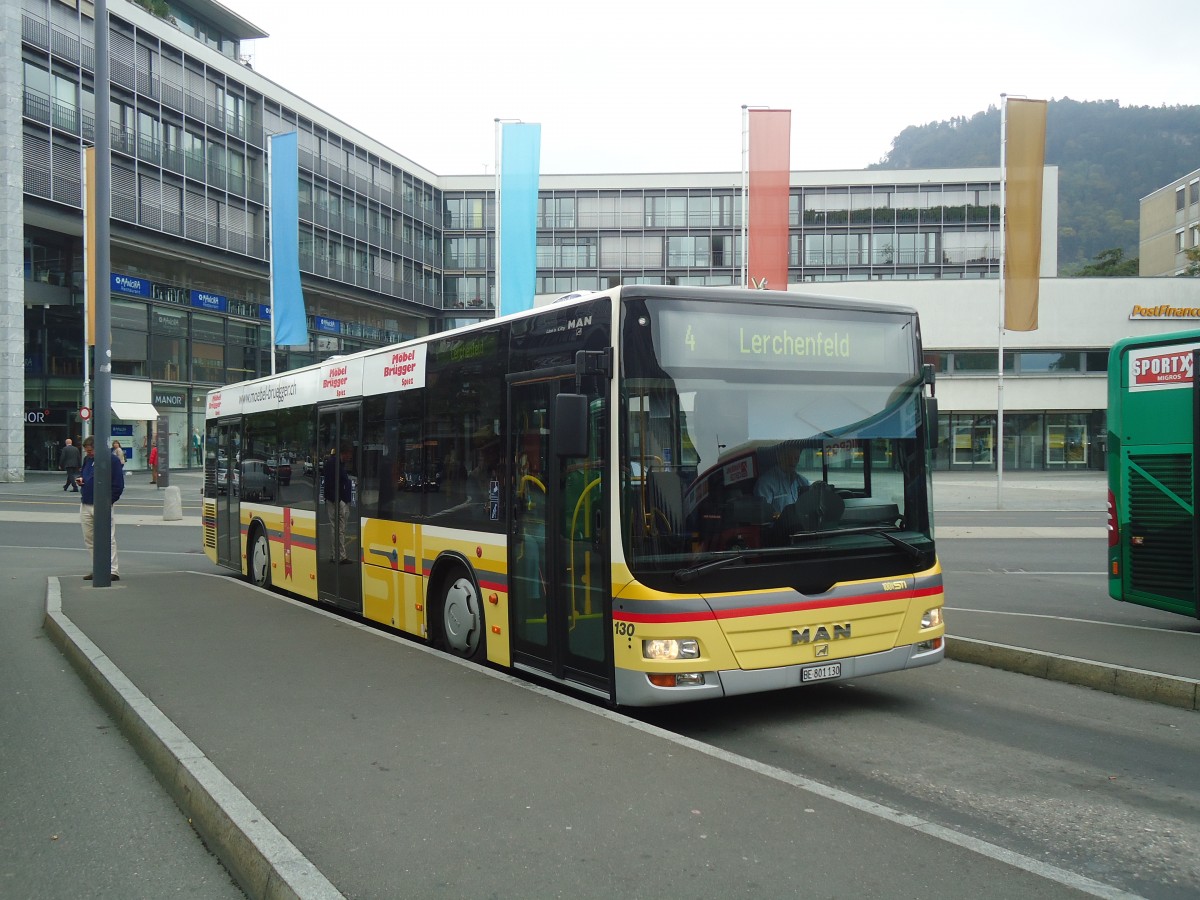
[{"x": 770, "y": 176}]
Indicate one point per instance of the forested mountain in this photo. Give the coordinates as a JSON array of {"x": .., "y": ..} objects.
[{"x": 1108, "y": 158}]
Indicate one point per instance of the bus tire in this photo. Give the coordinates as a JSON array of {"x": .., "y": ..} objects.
[
  {"x": 461, "y": 621},
  {"x": 258, "y": 558}
]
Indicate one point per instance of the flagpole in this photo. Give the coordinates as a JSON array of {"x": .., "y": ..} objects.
[
  {"x": 497, "y": 208},
  {"x": 88, "y": 250},
  {"x": 745, "y": 189},
  {"x": 1000, "y": 323},
  {"x": 271, "y": 254}
]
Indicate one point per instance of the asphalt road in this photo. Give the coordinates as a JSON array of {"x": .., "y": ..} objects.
[
  {"x": 1100, "y": 785},
  {"x": 1089, "y": 782},
  {"x": 1092, "y": 783}
]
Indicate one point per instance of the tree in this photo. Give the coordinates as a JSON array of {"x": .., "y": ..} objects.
[
  {"x": 1109, "y": 263},
  {"x": 1193, "y": 266}
]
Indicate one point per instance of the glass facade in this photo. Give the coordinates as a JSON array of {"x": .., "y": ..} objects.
[
  {"x": 387, "y": 251},
  {"x": 1032, "y": 440}
]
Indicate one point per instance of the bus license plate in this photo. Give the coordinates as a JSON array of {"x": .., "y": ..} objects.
[{"x": 820, "y": 673}]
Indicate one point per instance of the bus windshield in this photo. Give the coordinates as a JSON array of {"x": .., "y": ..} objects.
[{"x": 758, "y": 432}]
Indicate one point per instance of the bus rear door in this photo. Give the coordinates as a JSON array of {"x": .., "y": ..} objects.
[{"x": 339, "y": 550}]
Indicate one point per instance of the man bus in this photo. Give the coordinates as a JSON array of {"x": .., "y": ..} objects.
[{"x": 570, "y": 491}]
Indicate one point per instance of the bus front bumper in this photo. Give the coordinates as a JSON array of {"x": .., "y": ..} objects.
[{"x": 635, "y": 689}]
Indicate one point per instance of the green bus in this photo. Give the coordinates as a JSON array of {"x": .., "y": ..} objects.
[{"x": 1153, "y": 419}]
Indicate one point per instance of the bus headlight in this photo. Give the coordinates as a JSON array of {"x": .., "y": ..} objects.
[
  {"x": 671, "y": 648},
  {"x": 931, "y": 617}
]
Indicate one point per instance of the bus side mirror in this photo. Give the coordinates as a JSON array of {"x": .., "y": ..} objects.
[
  {"x": 931, "y": 423},
  {"x": 570, "y": 424}
]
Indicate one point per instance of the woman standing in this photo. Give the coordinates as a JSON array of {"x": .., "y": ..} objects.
[{"x": 118, "y": 451}]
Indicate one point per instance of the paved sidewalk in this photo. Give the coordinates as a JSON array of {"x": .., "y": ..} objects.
[{"x": 1022, "y": 490}]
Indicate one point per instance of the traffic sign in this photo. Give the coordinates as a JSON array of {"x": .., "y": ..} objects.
[{"x": 85, "y": 412}]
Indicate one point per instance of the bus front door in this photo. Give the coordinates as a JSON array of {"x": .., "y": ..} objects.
[
  {"x": 339, "y": 550},
  {"x": 558, "y": 552}
]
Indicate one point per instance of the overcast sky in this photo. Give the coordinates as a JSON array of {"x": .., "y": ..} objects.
[{"x": 658, "y": 85}]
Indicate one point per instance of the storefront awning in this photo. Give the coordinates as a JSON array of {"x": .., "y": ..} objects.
[{"x": 134, "y": 412}]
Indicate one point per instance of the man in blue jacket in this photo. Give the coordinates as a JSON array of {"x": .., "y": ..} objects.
[{"x": 87, "y": 499}]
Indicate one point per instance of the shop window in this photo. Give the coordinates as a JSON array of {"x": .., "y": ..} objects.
[
  {"x": 129, "y": 352},
  {"x": 168, "y": 358}
]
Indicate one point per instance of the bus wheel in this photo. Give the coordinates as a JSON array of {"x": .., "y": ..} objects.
[
  {"x": 462, "y": 617},
  {"x": 258, "y": 563}
]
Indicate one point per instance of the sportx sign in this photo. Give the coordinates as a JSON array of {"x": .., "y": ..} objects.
[{"x": 1156, "y": 368}]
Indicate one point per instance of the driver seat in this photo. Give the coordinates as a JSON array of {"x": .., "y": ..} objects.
[{"x": 818, "y": 506}]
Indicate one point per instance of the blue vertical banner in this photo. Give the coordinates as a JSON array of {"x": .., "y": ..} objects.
[
  {"x": 287, "y": 299},
  {"x": 520, "y": 150}
]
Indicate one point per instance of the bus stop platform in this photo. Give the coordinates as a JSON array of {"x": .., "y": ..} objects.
[{"x": 318, "y": 757}]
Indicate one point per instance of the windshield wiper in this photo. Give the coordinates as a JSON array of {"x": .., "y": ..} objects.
[
  {"x": 912, "y": 550},
  {"x": 683, "y": 576},
  {"x": 689, "y": 573}
]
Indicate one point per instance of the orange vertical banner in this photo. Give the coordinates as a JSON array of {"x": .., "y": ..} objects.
[
  {"x": 1025, "y": 159},
  {"x": 89, "y": 244},
  {"x": 770, "y": 176}
]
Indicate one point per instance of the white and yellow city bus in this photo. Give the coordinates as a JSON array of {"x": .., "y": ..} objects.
[{"x": 578, "y": 492}]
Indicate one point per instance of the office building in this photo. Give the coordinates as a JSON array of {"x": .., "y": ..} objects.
[
  {"x": 1169, "y": 226},
  {"x": 388, "y": 249}
]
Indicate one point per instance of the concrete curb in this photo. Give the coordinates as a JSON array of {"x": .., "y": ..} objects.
[
  {"x": 264, "y": 862},
  {"x": 1138, "y": 684}
]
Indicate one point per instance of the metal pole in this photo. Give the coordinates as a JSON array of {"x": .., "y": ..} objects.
[
  {"x": 102, "y": 545},
  {"x": 1000, "y": 330},
  {"x": 497, "y": 208},
  {"x": 745, "y": 189},
  {"x": 86, "y": 395},
  {"x": 271, "y": 254}
]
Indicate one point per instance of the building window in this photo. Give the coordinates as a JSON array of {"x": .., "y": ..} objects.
[
  {"x": 1049, "y": 362},
  {"x": 688, "y": 251},
  {"x": 128, "y": 320},
  {"x": 168, "y": 345},
  {"x": 631, "y": 252},
  {"x": 1179, "y": 199},
  {"x": 555, "y": 212},
  {"x": 981, "y": 362}
]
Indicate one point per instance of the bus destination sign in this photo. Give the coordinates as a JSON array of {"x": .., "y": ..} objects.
[{"x": 744, "y": 341}]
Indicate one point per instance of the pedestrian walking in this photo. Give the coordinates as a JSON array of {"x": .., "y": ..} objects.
[
  {"x": 87, "y": 507},
  {"x": 69, "y": 459},
  {"x": 118, "y": 451},
  {"x": 154, "y": 463}
]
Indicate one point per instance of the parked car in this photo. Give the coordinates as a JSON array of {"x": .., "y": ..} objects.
[
  {"x": 257, "y": 480},
  {"x": 282, "y": 469}
]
